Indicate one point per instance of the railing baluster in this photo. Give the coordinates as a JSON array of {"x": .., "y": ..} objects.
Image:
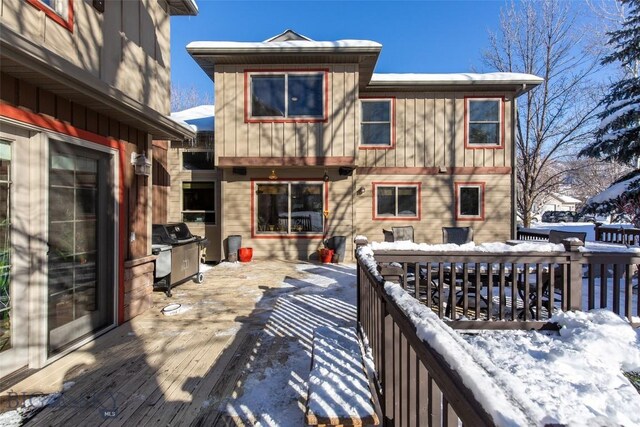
[{"x": 616, "y": 288}]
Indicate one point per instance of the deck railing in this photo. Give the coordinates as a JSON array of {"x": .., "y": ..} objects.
[
  {"x": 613, "y": 234},
  {"x": 417, "y": 386},
  {"x": 511, "y": 290},
  {"x": 531, "y": 234}
]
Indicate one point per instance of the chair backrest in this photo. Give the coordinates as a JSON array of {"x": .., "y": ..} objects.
[
  {"x": 557, "y": 236},
  {"x": 388, "y": 235},
  {"x": 402, "y": 233},
  {"x": 457, "y": 235}
]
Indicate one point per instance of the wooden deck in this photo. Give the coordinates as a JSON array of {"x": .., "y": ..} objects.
[{"x": 165, "y": 370}]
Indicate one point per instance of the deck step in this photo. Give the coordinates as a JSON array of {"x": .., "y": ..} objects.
[{"x": 339, "y": 388}]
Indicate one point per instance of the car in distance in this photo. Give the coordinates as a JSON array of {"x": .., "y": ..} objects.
[{"x": 559, "y": 216}]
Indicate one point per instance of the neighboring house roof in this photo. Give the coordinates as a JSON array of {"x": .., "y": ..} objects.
[
  {"x": 182, "y": 7},
  {"x": 34, "y": 63},
  {"x": 287, "y": 35},
  {"x": 565, "y": 199},
  {"x": 200, "y": 118}
]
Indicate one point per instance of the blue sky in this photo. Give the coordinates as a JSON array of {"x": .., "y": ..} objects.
[{"x": 417, "y": 36}]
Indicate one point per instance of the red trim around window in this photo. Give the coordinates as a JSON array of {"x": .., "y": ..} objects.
[
  {"x": 325, "y": 112},
  {"x": 68, "y": 23},
  {"x": 67, "y": 129},
  {"x": 459, "y": 217},
  {"x": 393, "y": 124},
  {"x": 374, "y": 187},
  {"x": 255, "y": 235},
  {"x": 466, "y": 123}
]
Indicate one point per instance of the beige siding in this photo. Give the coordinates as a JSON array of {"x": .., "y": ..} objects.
[
  {"x": 338, "y": 136},
  {"x": 174, "y": 205},
  {"x": 127, "y": 46},
  {"x": 237, "y": 219},
  {"x": 437, "y": 204},
  {"x": 429, "y": 132}
]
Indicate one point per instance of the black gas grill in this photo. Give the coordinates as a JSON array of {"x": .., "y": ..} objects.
[{"x": 178, "y": 255}]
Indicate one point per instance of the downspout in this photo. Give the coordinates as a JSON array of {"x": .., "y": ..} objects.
[{"x": 514, "y": 165}]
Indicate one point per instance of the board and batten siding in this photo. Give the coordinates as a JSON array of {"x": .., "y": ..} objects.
[
  {"x": 338, "y": 136},
  {"x": 430, "y": 132},
  {"x": 437, "y": 207},
  {"x": 127, "y": 46},
  {"x": 237, "y": 196}
]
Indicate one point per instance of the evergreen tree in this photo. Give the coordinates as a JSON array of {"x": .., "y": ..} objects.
[{"x": 618, "y": 137}]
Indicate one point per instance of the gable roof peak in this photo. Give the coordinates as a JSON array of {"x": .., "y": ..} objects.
[{"x": 288, "y": 35}]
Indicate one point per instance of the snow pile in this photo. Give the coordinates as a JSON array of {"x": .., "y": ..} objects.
[
  {"x": 574, "y": 378},
  {"x": 282, "y": 46},
  {"x": 30, "y": 408},
  {"x": 467, "y": 247},
  {"x": 455, "y": 78}
]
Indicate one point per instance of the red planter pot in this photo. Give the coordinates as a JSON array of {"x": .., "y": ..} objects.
[
  {"x": 245, "y": 254},
  {"x": 326, "y": 255}
]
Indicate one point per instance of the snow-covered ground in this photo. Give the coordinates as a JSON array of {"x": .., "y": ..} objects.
[{"x": 586, "y": 227}]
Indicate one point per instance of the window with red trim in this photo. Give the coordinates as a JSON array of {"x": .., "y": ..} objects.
[
  {"x": 376, "y": 123},
  {"x": 484, "y": 122},
  {"x": 396, "y": 200},
  {"x": 286, "y": 95},
  {"x": 470, "y": 201},
  {"x": 60, "y": 11},
  {"x": 289, "y": 207}
]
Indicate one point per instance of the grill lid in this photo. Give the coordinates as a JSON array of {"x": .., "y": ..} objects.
[{"x": 170, "y": 234}]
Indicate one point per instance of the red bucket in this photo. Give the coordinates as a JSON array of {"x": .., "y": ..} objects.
[
  {"x": 326, "y": 255},
  {"x": 245, "y": 254}
]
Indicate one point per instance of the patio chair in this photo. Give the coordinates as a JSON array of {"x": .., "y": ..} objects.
[
  {"x": 557, "y": 236},
  {"x": 457, "y": 235},
  {"x": 544, "y": 299},
  {"x": 402, "y": 233}
]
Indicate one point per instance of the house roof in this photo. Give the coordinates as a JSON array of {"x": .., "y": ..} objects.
[
  {"x": 287, "y": 35},
  {"x": 200, "y": 118},
  {"x": 566, "y": 199},
  {"x": 182, "y": 7},
  {"x": 288, "y": 47},
  {"x": 522, "y": 82},
  {"x": 33, "y": 63}
]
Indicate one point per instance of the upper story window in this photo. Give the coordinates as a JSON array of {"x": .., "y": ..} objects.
[
  {"x": 470, "y": 201},
  {"x": 197, "y": 160},
  {"x": 397, "y": 201},
  {"x": 484, "y": 122},
  {"x": 286, "y": 96},
  {"x": 60, "y": 11},
  {"x": 377, "y": 123},
  {"x": 198, "y": 202}
]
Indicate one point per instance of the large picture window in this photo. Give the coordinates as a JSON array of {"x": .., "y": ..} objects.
[
  {"x": 289, "y": 208},
  {"x": 397, "y": 201},
  {"x": 470, "y": 201},
  {"x": 286, "y": 96},
  {"x": 198, "y": 202},
  {"x": 377, "y": 123},
  {"x": 484, "y": 122}
]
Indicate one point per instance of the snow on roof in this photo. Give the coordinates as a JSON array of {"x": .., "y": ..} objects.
[
  {"x": 292, "y": 45},
  {"x": 566, "y": 199},
  {"x": 613, "y": 192},
  {"x": 454, "y": 78},
  {"x": 200, "y": 118}
]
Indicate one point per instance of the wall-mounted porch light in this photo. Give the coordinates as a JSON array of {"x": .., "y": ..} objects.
[
  {"x": 273, "y": 175},
  {"x": 325, "y": 177},
  {"x": 141, "y": 165}
]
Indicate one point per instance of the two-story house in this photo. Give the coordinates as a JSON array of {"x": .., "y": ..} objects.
[
  {"x": 84, "y": 89},
  {"x": 311, "y": 143}
]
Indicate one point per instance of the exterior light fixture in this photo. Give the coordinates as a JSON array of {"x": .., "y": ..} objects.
[
  {"x": 141, "y": 165},
  {"x": 325, "y": 177},
  {"x": 273, "y": 175},
  {"x": 360, "y": 191}
]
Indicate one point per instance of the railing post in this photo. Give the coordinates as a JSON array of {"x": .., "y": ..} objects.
[
  {"x": 359, "y": 241},
  {"x": 598, "y": 231},
  {"x": 575, "y": 273}
]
